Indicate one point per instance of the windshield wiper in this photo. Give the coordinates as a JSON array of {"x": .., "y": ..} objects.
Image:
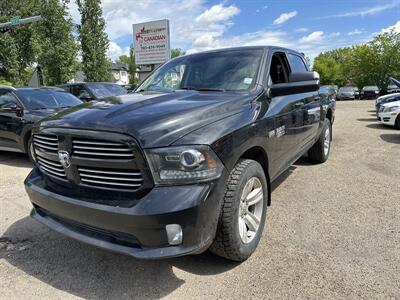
[{"x": 202, "y": 89}]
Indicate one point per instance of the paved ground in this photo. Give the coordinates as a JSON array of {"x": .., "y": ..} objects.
[{"x": 333, "y": 232}]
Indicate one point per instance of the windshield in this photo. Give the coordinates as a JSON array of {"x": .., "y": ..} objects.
[
  {"x": 370, "y": 88},
  {"x": 216, "y": 71},
  {"x": 100, "y": 90},
  {"x": 40, "y": 99},
  {"x": 347, "y": 89}
]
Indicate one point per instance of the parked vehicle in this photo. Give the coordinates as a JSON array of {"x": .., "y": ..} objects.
[
  {"x": 186, "y": 162},
  {"x": 369, "y": 92},
  {"x": 347, "y": 93},
  {"x": 392, "y": 89},
  {"x": 88, "y": 91},
  {"x": 389, "y": 114},
  {"x": 386, "y": 99},
  {"x": 330, "y": 91},
  {"x": 390, "y": 98},
  {"x": 20, "y": 108}
]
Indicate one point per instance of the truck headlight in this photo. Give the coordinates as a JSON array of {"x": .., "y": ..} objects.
[{"x": 183, "y": 164}]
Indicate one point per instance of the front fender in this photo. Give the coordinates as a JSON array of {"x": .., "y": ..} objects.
[{"x": 233, "y": 136}]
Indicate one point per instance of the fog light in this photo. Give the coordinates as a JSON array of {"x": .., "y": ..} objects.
[{"x": 174, "y": 233}]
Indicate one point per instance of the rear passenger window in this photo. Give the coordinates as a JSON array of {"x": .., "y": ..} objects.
[{"x": 297, "y": 63}]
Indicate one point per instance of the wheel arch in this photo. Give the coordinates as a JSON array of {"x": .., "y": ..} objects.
[
  {"x": 258, "y": 154},
  {"x": 25, "y": 138},
  {"x": 329, "y": 114}
]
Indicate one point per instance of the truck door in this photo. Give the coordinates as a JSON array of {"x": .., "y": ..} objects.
[
  {"x": 309, "y": 106},
  {"x": 11, "y": 122},
  {"x": 287, "y": 113}
]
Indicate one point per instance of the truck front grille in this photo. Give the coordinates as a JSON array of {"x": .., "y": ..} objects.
[
  {"x": 46, "y": 143},
  {"x": 50, "y": 167},
  {"x": 77, "y": 160},
  {"x": 125, "y": 179},
  {"x": 87, "y": 148}
]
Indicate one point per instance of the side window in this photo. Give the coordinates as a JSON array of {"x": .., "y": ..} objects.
[
  {"x": 7, "y": 99},
  {"x": 279, "y": 70},
  {"x": 297, "y": 63},
  {"x": 80, "y": 91}
]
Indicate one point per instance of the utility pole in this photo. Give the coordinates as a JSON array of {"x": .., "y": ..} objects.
[{"x": 16, "y": 21}]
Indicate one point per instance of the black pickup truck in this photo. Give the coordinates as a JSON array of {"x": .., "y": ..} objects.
[{"x": 185, "y": 163}]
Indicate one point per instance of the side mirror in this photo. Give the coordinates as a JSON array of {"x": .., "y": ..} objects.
[
  {"x": 299, "y": 82},
  {"x": 12, "y": 107},
  {"x": 303, "y": 77}
]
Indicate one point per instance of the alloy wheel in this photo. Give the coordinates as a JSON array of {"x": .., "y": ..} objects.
[{"x": 250, "y": 209}]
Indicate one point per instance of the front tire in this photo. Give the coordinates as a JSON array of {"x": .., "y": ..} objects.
[
  {"x": 319, "y": 153},
  {"x": 243, "y": 212}
]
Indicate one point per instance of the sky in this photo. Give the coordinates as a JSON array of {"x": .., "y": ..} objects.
[{"x": 309, "y": 26}]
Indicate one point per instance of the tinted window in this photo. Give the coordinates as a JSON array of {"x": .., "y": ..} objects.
[
  {"x": 7, "y": 99},
  {"x": 225, "y": 70},
  {"x": 40, "y": 99},
  {"x": 101, "y": 90},
  {"x": 296, "y": 63},
  {"x": 80, "y": 91}
]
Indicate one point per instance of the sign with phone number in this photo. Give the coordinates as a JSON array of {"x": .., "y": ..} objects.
[{"x": 151, "y": 42}]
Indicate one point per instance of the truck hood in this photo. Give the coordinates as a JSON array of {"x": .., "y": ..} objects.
[{"x": 155, "y": 119}]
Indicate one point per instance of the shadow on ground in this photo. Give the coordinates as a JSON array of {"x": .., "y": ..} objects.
[
  {"x": 92, "y": 273},
  {"x": 391, "y": 138},
  {"x": 367, "y": 119},
  {"x": 12, "y": 159},
  {"x": 379, "y": 126}
]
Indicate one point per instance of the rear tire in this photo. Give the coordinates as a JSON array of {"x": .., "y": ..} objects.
[
  {"x": 241, "y": 223},
  {"x": 319, "y": 153}
]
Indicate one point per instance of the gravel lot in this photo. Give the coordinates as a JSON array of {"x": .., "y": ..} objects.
[{"x": 333, "y": 232}]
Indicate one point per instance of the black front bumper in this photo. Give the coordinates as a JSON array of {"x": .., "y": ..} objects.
[{"x": 138, "y": 231}]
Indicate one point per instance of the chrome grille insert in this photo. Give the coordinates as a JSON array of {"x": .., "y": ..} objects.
[
  {"x": 111, "y": 178},
  {"x": 46, "y": 143},
  {"x": 101, "y": 149},
  {"x": 51, "y": 168}
]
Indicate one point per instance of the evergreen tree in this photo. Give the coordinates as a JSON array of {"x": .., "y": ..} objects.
[
  {"x": 58, "y": 47},
  {"x": 176, "y": 52},
  {"x": 94, "y": 41},
  {"x": 10, "y": 63},
  {"x": 18, "y": 46}
]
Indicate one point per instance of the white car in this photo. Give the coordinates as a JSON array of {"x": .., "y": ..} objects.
[{"x": 389, "y": 114}]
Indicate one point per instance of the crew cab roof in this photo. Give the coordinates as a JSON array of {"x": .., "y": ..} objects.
[{"x": 268, "y": 48}]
